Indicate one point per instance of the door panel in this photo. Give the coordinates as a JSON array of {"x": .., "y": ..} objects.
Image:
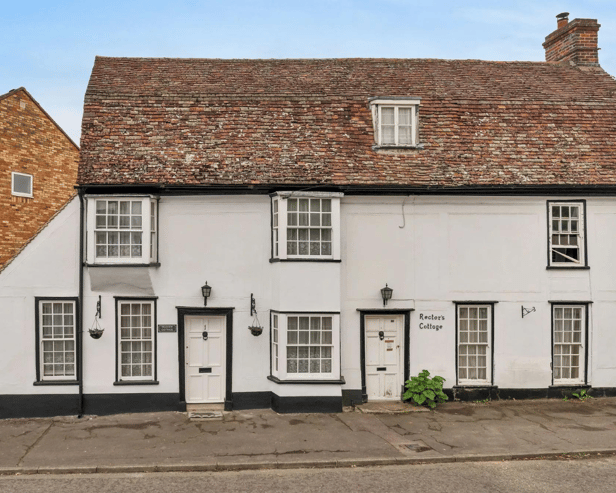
[
  {"x": 384, "y": 372},
  {"x": 205, "y": 359}
]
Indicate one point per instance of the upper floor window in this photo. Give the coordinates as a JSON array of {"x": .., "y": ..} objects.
[
  {"x": 122, "y": 230},
  {"x": 21, "y": 184},
  {"x": 566, "y": 234},
  {"x": 395, "y": 121},
  {"x": 306, "y": 225}
]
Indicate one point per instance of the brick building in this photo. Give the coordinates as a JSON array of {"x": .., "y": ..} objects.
[{"x": 38, "y": 170}]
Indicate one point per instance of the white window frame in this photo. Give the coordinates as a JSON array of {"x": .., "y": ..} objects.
[
  {"x": 120, "y": 339},
  {"x": 49, "y": 326},
  {"x": 281, "y": 343},
  {"x": 468, "y": 344},
  {"x": 377, "y": 105},
  {"x": 21, "y": 194},
  {"x": 280, "y": 225},
  {"x": 581, "y": 344},
  {"x": 149, "y": 237},
  {"x": 580, "y": 233}
]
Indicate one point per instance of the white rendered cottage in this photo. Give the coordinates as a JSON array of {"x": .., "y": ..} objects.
[{"x": 237, "y": 221}]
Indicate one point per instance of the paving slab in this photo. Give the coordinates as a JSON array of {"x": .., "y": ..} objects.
[{"x": 18, "y": 436}]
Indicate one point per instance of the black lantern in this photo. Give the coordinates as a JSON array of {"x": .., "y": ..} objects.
[
  {"x": 206, "y": 291},
  {"x": 386, "y": 293}
]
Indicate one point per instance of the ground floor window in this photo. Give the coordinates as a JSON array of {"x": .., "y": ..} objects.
[
  {"x": 136, "y": 340},
  {"x": 305, "y": 346},
  {"x": 569, "y": 337},
  {"x": 56, "y": 336},
  {"x": 474, "y": 334}
]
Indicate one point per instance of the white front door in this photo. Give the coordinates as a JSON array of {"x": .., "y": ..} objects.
[
  {"x": 384, "y": 371},
  {"x": 205, "y": 358}
]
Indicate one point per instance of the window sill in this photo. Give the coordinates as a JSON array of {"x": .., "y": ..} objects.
[
  {"x": 475, "y": 386},
  {"x": 567, "y": 267},
  {"x": 570, "y": 386},
  {"x": 55, "y": 382},
  {"x": 274, "y": 379},
  {"x": 153, "y": 264},
  {"x": 136, "y": 382},
  {"x": 418, "y": 147},
  {"x": 274, "y": 260}
]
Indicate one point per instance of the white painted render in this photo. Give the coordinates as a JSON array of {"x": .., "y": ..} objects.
[
  {"x": 432, "y": 250},
  {"x": 48, "y": 266}
]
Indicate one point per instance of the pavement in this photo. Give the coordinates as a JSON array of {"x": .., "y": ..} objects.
[{"x": 368, "y": 435}]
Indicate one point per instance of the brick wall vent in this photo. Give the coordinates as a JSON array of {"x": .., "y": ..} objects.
[{"x": 574, "y": 42}]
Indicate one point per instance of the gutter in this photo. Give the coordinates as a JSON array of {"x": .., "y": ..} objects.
[{"x": 80, "y": 301}]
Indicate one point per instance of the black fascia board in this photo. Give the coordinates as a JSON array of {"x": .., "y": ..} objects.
[{"x": 372, "y": 189}]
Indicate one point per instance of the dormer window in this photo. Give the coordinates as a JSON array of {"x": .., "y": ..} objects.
[{"x": 395, "y": 121}]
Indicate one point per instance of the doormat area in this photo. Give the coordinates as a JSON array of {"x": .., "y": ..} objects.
[{"x": 204, "y": 415}]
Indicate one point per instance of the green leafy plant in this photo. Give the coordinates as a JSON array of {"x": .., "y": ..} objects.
[
  {"x": 582, "y": 395},
  {"x": 423, "y": 390}
]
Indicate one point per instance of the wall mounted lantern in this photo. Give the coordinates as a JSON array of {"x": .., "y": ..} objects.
[
  {"x": 386, "y": 293},
  {"x": 96, "y": 331},
  {"x": 206, "y": 291}
]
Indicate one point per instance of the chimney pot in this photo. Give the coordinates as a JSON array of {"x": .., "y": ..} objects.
[{"x": 562, "y": 20}]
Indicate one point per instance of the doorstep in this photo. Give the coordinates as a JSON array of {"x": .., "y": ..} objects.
[{"x": 387, "y": 407}]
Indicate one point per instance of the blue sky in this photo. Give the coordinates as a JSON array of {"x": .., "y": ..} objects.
[{"x": 49, "y": 46}]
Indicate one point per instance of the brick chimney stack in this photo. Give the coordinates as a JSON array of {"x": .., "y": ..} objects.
[{"x": 574, "y": 42}]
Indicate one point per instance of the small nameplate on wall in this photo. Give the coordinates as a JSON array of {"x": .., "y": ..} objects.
[{"x": 168, "y": 328}]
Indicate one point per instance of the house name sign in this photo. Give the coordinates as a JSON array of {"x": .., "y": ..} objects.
[
  {"x": 167, "y": 328},
  {"x": 430, "y": 321}
]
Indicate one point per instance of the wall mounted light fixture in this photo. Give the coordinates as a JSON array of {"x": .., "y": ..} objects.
[
  {"x": 206, "y": 291},
  {"x": 386, "y": 293}
]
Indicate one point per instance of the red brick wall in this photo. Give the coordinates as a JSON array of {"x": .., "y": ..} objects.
[{"x": 31, "y": 143}]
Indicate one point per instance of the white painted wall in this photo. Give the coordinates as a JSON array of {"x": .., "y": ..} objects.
[
  {"x": 440, "y": 250},
  {"x": 48, "y": 266},
  {"x": 475, "y": 249}
]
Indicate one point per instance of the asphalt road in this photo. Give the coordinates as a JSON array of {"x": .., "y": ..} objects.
[{"x": 589, "y": 475}]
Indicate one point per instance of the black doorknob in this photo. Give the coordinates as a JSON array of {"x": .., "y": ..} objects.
[
  {"x": 381, "y": 335},
  {"x": 205, "y": 335}
]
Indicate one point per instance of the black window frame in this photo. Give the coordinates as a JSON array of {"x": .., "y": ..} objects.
[
  {"x": 37, "y": 315},
  {"x": 154, "y": 300},
  {"x": 492, "y": 343},
  {"x": 586, "y": 305},
  {"x": 584, "y": 259}
]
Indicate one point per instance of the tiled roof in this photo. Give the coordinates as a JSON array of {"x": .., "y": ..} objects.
[{"x": 276, "y": 122}]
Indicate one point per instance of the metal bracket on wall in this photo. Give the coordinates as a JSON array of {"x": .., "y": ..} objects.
[
  {"x": 526, "y": 311},
  {"x": 253, "y": 305},
  {"x": 98, "y": 307}
]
